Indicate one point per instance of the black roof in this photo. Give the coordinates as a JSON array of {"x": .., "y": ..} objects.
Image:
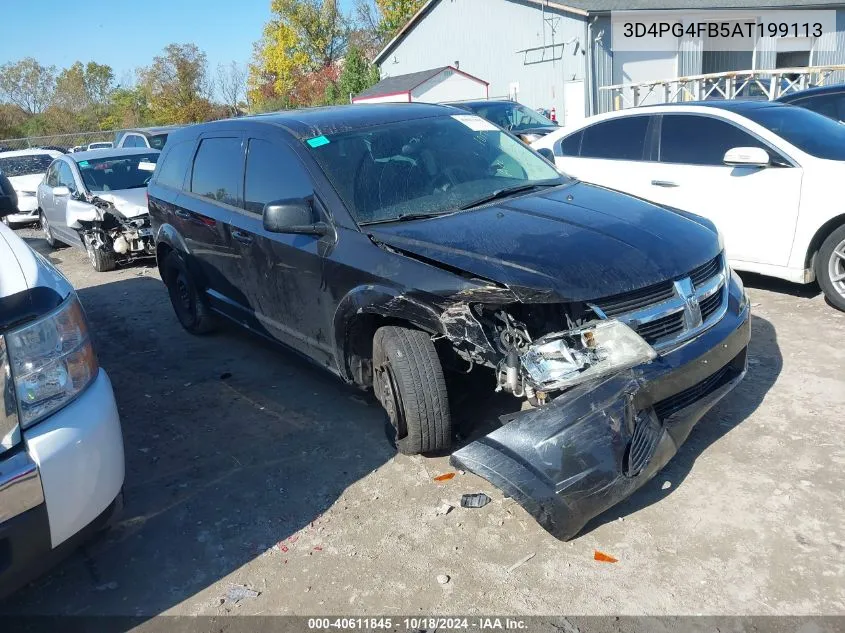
[
  {"x": 734, "y": 105},
  {"x": 401, "y": 83},
  {"x": 310, "y": 122},
  {"x": 811, "y": 92}
]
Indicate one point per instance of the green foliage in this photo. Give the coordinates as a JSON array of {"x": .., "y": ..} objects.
[
  {"x": 395, "y": 14},
  {"x": 176, "y": 85},
  {"x": 358, "y": 74},
  {"x": 28, "y": 84}
]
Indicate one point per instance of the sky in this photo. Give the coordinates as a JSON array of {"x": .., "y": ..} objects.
[{"x": 126, "y": 34}]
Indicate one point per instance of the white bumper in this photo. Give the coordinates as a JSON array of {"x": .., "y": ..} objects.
[
  {"x": 28, "y": 210},
  {"x": 79, "y": 453}
]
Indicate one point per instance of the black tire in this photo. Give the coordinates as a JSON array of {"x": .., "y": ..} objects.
[
  {"x": 830, "y": 265},
  {"x": 47, "y": 231},
  {"x": 191, "y": 310},
  {"x": 101, "y": 260},
  {"x": 408, "y": 381}
]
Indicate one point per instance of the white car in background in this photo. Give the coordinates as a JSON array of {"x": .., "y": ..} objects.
[
  {"x": 97, "y": 200},
  {"x": 61, "y": 446},
  {"x": 100, "y": 145},
  {"x": 768, "y": 175},
  {"x": 25, "y": 170}
]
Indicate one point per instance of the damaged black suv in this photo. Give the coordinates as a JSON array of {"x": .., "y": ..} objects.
[{"x": 386, "y": 242}]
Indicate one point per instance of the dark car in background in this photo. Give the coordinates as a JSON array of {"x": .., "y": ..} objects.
[
  {"x": 153, "y": 137},
  {"x": 521, "y": 121},
  {"x": 826, "y": 100},
  {"x": 391, "y": 244}
]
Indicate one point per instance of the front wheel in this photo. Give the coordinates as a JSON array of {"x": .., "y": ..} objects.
[
  {"x": 408, "y": 381},
  {"x": 830, "y": 268}
]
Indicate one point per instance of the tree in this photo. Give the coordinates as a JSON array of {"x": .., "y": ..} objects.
[
  {"x": 232, "y": 87},
  {"x": 395, "y": 14},
  {"x": 303, "y": 37},
  {"x": 176, "y": 85},
  {"x": 28, "y": 84},
  {"x": 357, "y": 75}
]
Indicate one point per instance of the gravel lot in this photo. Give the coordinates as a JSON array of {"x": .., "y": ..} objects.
[{"x": 246, "y": 466}]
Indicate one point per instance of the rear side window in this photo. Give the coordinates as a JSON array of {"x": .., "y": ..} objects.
[
  {"x": 832, "y": 106},
  {"x": 218, "y": 170},
  {"x": 174, "y": 164},
  {"x": 617, "y": 139},
  {"x": 273, "y": 172},
  {"x": 571, "y": 145},
  {"x": 701, "y": 140},
  {"x": 129, "y": 141}
]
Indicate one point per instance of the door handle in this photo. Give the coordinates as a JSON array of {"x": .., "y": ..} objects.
[
  {"x": 243, "y": 238},
  {"x": 664, "y": 183},
  {"x": 183, "y": 214}
]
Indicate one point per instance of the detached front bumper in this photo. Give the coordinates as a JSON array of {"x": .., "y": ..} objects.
[{"x": 596, "y": 444}]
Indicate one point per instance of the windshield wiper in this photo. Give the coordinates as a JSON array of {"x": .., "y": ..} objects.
[
  {"x": 509, "y": 191},
  {"x": 403, "y": 217}
]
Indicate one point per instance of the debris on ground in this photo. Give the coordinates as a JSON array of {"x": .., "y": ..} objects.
[
  {"x": 666, "y": 485},
  {"x": 521, "y": 561},
  {"x": 475, "y": 500},
  {"x": 604, "y": 558},
  {"x": 444, "y": 477},
  {"x": 236, "y": 593},
  {"x": 443, "y": 579},
  {"x": 444, "y": 509}
]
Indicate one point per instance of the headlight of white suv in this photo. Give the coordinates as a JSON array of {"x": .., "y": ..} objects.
[
  {"x": 52, "y": 361},
  {"x": 562, "y": 360}
]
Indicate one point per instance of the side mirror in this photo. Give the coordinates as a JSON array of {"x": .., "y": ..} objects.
[
  {"x": 546, "y": 153},
  {"x": 61, "y": 191},
  {"x": 747, "y": 157},
  {"x": 293, "y": 216}
]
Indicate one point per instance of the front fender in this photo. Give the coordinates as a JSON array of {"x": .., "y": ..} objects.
[{"x": 382, "y": 301}]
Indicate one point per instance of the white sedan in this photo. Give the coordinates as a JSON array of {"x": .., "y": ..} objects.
[
  {"x": 768, "y": 175},
  {"x": 25, "y": 170}
]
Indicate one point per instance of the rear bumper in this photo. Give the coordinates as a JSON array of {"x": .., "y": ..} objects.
[{"x": 596, "y": 444}]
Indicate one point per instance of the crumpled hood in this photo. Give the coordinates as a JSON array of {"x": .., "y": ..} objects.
[
  {"x": 130, "y": 202},
  {"x": 26, "y": 183},
  {"x": 576, "y": 243}
]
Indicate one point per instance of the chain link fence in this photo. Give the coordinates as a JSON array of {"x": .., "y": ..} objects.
[{"x": 63, "y": 142}]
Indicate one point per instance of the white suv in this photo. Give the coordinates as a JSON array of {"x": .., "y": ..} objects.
[
  {"x": 768, "y": 175},
  {"x": 61, "y": 447}
]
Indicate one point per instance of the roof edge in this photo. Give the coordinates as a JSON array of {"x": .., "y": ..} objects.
[{"x": 430, "y": 5}]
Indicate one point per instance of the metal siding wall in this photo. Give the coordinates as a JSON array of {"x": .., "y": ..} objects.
[
  {"x": 602, "y": 65},
  {"x": 765, "y": 57},
  {"x": 689, "y": 56},
  {"x": 484, "y": 36},
  {"x": 723, "y": 61},
  {"x": 831, "y": 57}
]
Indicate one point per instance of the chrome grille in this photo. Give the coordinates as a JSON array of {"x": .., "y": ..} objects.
[
  {"x": 619, "y": 304},
  {"x": 668, "y": 314}
]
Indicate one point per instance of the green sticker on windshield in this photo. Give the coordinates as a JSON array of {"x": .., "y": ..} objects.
[
  {"x": 318, "y": 141},
  {"x": 83, "y": 163}
]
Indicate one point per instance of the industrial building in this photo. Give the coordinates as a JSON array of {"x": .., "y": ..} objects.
[{"x": 549, "y": 54}]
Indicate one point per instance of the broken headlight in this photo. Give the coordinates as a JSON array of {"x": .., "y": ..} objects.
[
  {"x": 564, "y": 359},
  {"x": 52, "y": 361}
]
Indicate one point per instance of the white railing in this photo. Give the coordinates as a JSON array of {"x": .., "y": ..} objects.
[{"x": 769, "y": 84}]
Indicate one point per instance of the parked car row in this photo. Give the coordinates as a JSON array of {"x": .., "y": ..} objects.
[{"x": 405, "y": 242}]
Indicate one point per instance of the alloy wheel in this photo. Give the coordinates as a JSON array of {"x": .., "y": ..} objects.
[{"x": 836, "y": 268}]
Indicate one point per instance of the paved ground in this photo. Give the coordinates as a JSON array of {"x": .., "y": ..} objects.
[{"x": 246, "y": 466}]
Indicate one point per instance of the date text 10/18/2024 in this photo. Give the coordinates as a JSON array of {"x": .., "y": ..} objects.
[{"x": 419, "y": 623}]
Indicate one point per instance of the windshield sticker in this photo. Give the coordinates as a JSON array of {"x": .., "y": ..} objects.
[
  {"x": 83, "y": 163},
  {"x": 146, "y": 166},
  {"x": 475, "y": 123},
  {"x": 318, "y": 141}
]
